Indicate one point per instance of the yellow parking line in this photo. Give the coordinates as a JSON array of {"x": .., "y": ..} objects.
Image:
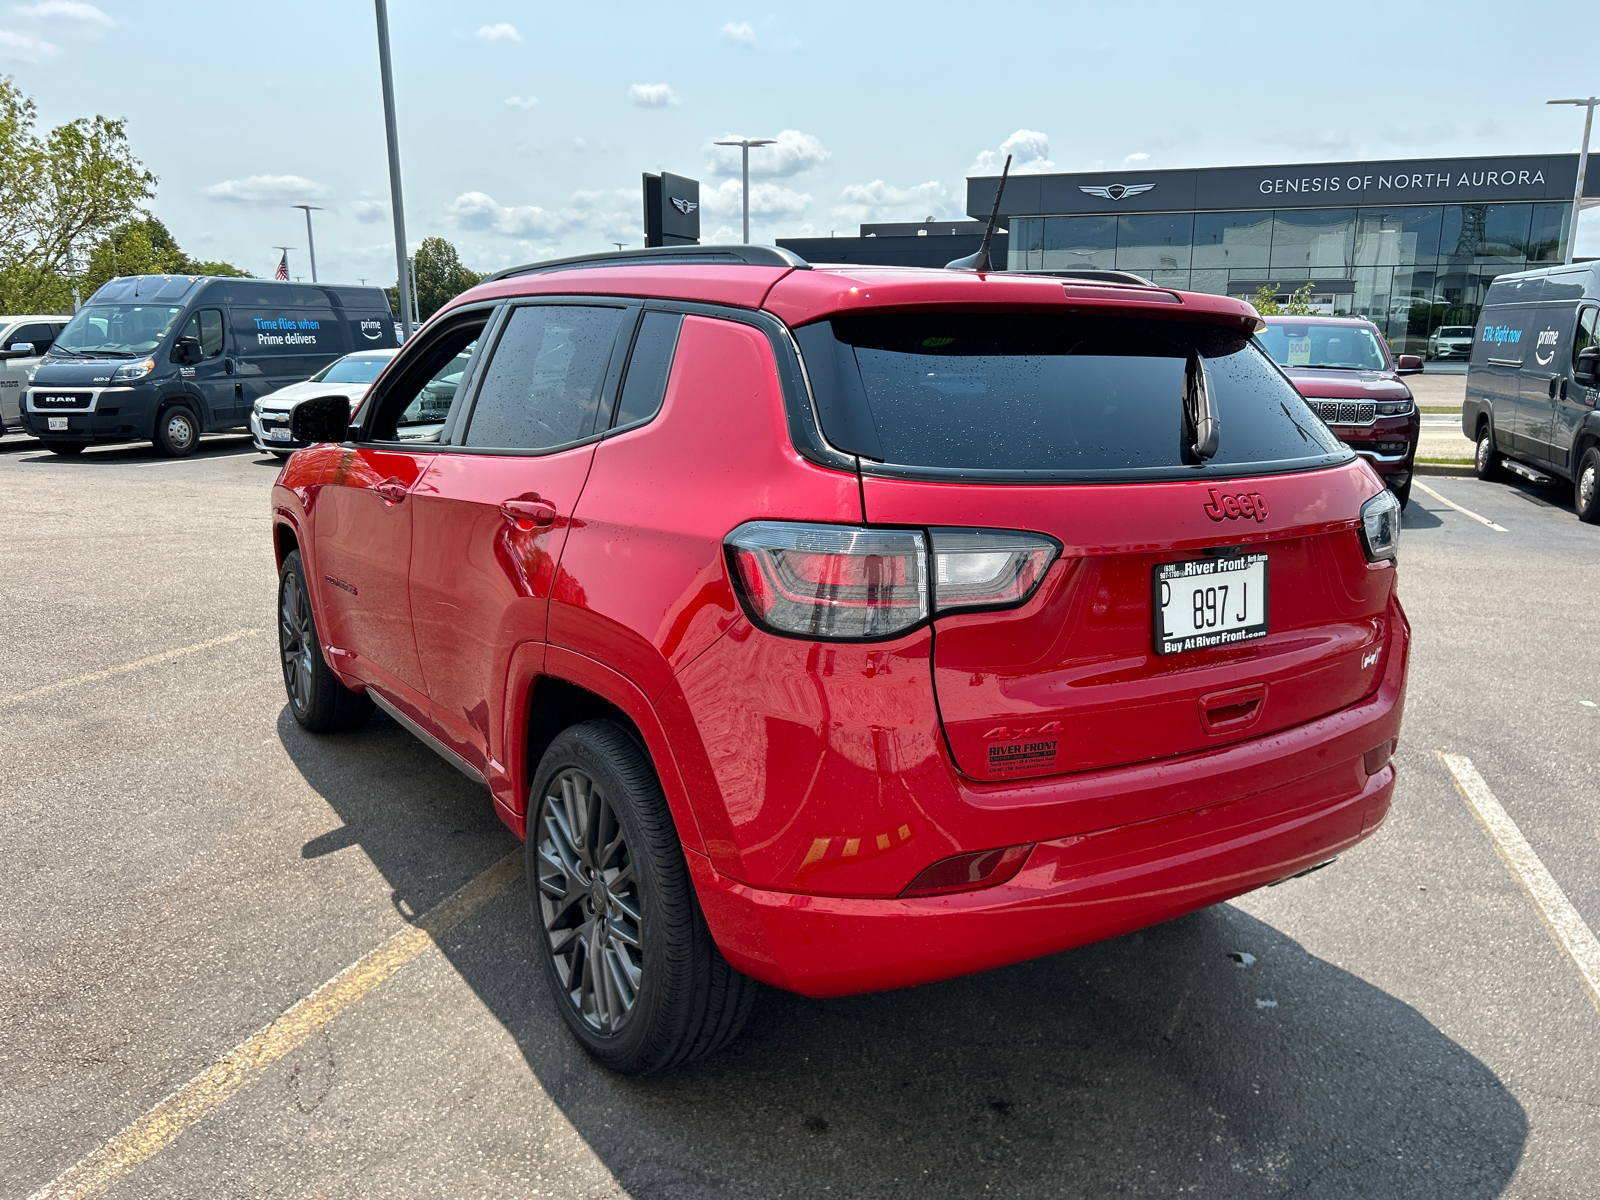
[
  {"x": 162, "y": 1125},
  {"x": 1565, "y": 923},
  {"x": 94, "y": 676}
]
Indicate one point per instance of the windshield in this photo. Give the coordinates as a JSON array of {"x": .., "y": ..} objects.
[
  {"x": 1455, "y": 331},
  {"x": 1351, "y": 347},
  {"x": 354, "y": 369},
  {"x": 120, "y": 330},
  {"x": 1071, "y": 395}
]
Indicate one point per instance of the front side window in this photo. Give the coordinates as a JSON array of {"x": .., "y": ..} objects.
[
  {"x": 1069, "y": 395},
  {"x": 414, "y": 406},
  {"x": 542, "y": 386},
  {"x": 117, "y": 330},
  {"x": 1588, "y": 333},
  {"x": 1345, "y": 347},
  {"x": 205, "y": 327},
  {"x": 41, "y": 336}
]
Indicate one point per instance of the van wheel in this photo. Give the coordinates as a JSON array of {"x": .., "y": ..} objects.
[
  {"x": 1586, "y": 491},
  {"x": 66, "y": 449},
  {"x": 627, "y": 954},
  {"x": 177, "y": 431},
  {"x": 1403, "y": 493},
  {"x": 319, "y": 702},
  {"x": 1486, "y": 461}
]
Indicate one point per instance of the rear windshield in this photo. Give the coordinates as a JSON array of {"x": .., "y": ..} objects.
[{"x": 1030, "y": 395}]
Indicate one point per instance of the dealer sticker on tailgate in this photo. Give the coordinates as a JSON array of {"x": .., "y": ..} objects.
[{"x": 1210, "y": 602}]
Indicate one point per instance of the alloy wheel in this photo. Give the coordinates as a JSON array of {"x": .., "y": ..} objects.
[
  {"x": 296, "y": 640},
  {"x": 1483, "y": 451},
  {"x": 1586, "y": 485},
  {"x": 589, "y": 901}
]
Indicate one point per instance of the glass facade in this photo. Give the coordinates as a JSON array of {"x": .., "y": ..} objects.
[{"x": 1407, "y": 268}]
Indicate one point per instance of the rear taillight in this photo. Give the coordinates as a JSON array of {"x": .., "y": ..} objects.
[
  {"x": 1380, "y": 527},
  {"x": 984, "y": 568},
  {"x": 837, "y": 582},
  {"x": 848, "y": 583}
]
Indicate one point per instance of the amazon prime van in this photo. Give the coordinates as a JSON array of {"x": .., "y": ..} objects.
[
  {"x": 165, "y": 358},
  {"x": 1533, "y": 380}
]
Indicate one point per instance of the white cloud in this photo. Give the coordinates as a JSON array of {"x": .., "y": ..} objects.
[
  {"x": 502, "y": 32},
  {"x": 866, "y": 201},
  {"x": 604, "y": 216},
  {"x": 24, "y": 47},
  {"x": 767, "y": 200},
  {"x": 522, "y": 102},
  {"x": 652, "y": 95},
  {"x": 268, "y": 189},
  {"x": 740, "y": 35},
  {"x": 1030, "y": 153},
  {"x": 368, "y": 211},
  {"x": 1140, "y": 157},
  {"x": 73, "y": 10},
  {"x": 791, "y": 153}
]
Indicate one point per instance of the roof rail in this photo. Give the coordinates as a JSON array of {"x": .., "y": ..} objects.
[
  {"x": 1089, "y": 275},
  {"x": 749, "y": 256}
]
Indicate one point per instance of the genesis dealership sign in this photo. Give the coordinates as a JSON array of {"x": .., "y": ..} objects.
[{"x": 1315, "y": 185}]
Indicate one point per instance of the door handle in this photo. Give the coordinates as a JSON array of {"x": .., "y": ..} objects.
[
  {"x": 391, "y": 489},
  {"x": 227, "y": 365},
  {"x": 529, "y": 512},
  {"x": 1554, "y": 381}
]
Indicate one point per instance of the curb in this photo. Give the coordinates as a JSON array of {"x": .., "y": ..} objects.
[{"x": 1458, "y": 469}]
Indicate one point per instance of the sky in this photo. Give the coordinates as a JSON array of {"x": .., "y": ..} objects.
[{"x": 524, "y": 128}]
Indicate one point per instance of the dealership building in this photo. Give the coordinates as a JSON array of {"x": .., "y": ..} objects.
[{"x": 1412, "y": 244}]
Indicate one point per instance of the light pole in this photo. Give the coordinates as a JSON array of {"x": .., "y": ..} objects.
[
  {"x": 395, "y": 201},
  {"x": 311, "y": 242},
  {"x": 745, "y": 144},
  {"x": 1583, "y": 165}
]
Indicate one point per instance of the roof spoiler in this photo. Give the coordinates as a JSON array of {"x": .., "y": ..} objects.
[{"x": 652, "y": 256}]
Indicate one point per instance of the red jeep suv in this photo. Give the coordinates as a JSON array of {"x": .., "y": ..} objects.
[{"x": 848, "y": 628}]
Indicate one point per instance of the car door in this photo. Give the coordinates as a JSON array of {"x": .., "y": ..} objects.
[
  {"x": 1493, "y": 374},
  {"x": 492, "y": 510},
  {"x": 362, "y": 525},
  {"x": 1574, "y": 401},
  {"x": 213, "y": 375},
  {"x": 1543, "y": 379}
]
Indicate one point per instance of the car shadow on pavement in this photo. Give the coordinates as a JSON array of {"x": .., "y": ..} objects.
[
  {"x": 1210, "y": 1054},
  {"x": 211, "y": 446}
]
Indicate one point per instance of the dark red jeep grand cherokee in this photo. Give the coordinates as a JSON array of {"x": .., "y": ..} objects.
[{"x": 849, "y": 628}]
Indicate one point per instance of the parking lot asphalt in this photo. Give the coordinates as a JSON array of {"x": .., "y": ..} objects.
[{"x": 184, "y": 864}]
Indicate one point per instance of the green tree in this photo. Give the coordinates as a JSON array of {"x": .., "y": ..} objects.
[
  {"x": 144, "y": 246},
  {"x": 59, "y": 194},
  {"x": 441, "y": 277},
  {"x": 1298, "y": 305}
]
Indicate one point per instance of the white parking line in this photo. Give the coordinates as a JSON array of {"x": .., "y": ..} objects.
[
  {"x": 1465, "y": 511},
  {"x": 94, "y": 676},
  {"x": 1566, "y": 925}
]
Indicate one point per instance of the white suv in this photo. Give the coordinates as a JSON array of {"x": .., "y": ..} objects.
[{"x": 23, "y": 342}]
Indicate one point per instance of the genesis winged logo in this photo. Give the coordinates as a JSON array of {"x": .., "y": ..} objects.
[
  {"x": 1117, "y": 190},
  {"x": 685, "y": 206}
]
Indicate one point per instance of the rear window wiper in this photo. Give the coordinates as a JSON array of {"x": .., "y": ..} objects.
[{"x": 1203, "y": 423}]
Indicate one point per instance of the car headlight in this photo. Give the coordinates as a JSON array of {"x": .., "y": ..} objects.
[
  {"x": 128, "y": 372},
  {"x": 1394, "y": 408},
  {"x": 1380, "y": 527}
]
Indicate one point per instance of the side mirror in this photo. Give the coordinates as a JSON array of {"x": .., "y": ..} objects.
[
  {"x": 187, "y": 351},
  {"x": 1588, "y": 366},
  {"x": 21, "y": 350},
  {"x": 322, "y": 419},
  {"x": 1408, "y": 364}
]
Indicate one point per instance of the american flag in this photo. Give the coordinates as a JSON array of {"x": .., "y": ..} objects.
[{"x": 283, "y": 268}]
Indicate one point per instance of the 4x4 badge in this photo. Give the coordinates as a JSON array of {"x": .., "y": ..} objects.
[{"x": 1247, "y": 505}]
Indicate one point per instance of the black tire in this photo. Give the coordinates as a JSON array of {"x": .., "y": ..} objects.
[
  {"x": 177, "y": 432},
  {"x": 1487, "y": 461},
  {"x": 319, "y": 702},
  {"x": 1403, "y": 493},
  {"x": 636, "y": 906},
  {"x": 66, "y": 449},
  {"x": 1586, "y": 488}
]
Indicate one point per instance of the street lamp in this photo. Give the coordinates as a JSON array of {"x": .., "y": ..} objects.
[
  {"x": 311, "y": 242},
  {"x": 1583, "y": 164},
  {"x": 401, "y": 265},
  {"x": 746, "y": 143}
]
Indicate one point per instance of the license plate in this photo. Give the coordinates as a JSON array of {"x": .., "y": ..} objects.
[
  {"x": 57, "y": 422},
  {"x": 277, "y": 435},
  {"x": 1210, "y": 602}
]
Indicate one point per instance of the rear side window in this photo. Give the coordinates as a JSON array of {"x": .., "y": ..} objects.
[
  {"x": 542, "y": 388},
  {"x": 1070, "y": 395},
  {"x": 645, "y": 384}
]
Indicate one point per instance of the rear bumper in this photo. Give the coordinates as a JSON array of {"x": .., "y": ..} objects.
[{"x": 1253, "y": 814}]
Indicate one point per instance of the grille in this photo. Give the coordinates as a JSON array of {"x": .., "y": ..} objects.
[
  {"x": 1345, "y": 412},
  {"x": 58, "y": 400}
]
